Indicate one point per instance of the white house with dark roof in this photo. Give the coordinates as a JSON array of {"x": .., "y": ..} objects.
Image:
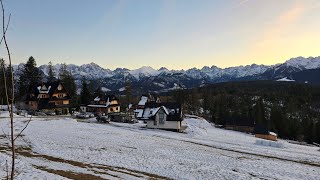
[
  {"x": 147, "y": 98},
  {"x": 166, "y": 116}
]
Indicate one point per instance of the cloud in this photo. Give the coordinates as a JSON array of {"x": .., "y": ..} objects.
[
  {"x": 281, "y": 25},
  {"x": 278, "y": 37},
  {"x": 242, "y": 2},
  {"x": 292, "y": 15}
]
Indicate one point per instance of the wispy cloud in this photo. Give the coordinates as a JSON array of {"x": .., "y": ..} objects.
[
  {"x": 242, "y": 2},
  {"x": 283, "y": 23},
  {"x": 279, "y": 35},
  {"x": 239, "y": 3}
]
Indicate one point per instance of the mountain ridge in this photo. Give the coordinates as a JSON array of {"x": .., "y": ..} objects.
[{"x": 147, "y": 78}]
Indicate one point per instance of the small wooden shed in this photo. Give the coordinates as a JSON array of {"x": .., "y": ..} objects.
[
  {"x": 271, "y": 136},
  {"x": 263, "y": 133}
]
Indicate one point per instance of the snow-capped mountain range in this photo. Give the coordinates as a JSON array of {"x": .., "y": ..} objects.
[{"x": 149, "y": 79}]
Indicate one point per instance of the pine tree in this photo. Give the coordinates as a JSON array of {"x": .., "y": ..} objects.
[
  {"x": 259, "y": 112},
  {"x": 29, "y": 77},
  {"x": 98, "y": 92},
  {"x": 9, "y": 78},
  {"x": 278, "y": 122},
  {"x": 69, "y": 84},
  {"x": 51, "y": 75},
  {"x": 128, "y": 92},
  {"x": 85, "y": 93}
]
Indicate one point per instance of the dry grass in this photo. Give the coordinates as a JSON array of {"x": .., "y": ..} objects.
[
  {"x": 26, "y": 151},
  {"x": 69, "y": 174}
]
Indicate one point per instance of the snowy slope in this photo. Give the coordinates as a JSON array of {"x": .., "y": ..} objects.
[
  {"x": 304, "y": 63},
  {"x": 130, "y": 151},
  {"x": 286, "y": 79},
  {"x": 144, "y": 71}
]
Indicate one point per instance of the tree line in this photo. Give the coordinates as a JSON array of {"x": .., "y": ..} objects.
[
  {"x": 30, "y": 76},
  {"x": 290, "y": 109}
]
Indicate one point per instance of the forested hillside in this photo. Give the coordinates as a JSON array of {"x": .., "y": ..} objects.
[{"x": 290, "y": 109}]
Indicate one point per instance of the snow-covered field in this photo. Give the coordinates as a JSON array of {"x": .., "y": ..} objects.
[{"x": 62, "y": 148}]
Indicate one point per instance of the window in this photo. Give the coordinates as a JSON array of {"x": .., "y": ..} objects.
[
  {"x": 59, "y": 87},
  {"x": 59, "y": 102}
]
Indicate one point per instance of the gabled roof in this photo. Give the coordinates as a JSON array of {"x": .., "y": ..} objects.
[
  {"x": 111, "y": 97},
  {"x": 46, "y": 88},
  {"x": 143, "y": 100},
  {"x": 107, "y": 99},
  {"x": 173, "y": 111}
]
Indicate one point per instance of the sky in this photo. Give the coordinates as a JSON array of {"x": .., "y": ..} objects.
[{"x": 177, "y": 34}]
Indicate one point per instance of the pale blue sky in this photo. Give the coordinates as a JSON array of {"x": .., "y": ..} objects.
[{"x": 177, "y": 34}]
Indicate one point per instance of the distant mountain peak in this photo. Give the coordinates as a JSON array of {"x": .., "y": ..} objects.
[
  {"x": 163, "y": 79},
  {"x": 304, "y": 63},
  {"x": 163, "y": 69}
]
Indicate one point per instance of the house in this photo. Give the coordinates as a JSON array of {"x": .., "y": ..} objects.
[
  {"x": 147, "y": 98},
  {"x": 49, "y": 97},
  {"x": 104, "y": 105},
  {"x": 263, "y": 133},
  {"x": 163, "y": 116}
]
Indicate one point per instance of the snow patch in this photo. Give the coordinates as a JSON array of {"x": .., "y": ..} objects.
[
  {"x": 269, "y": 143},
  {"x": 196, "y": 126},
  {"x": 286, "y": 79},
  {"x": 104, "y": 89},
  {"x": 122, "y": 89}
]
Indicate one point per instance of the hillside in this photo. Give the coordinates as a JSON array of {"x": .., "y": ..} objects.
[
  {"x": 61, "y": 148},
  {"x": 290, "y": 109}
]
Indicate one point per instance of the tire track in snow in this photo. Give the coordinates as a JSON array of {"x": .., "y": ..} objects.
[{"x": 243, "y": 152}]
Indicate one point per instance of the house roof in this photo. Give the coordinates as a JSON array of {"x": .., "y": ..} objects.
[
  {"x": 111, "y": 97},
  {"x": 143, "y": 100},
  {"x": 47, "y": 88},
  {"x": 155, "y": 111},
  {"x": 139, "y": 112},
  {"x": 173, "y": 111},
  {"x": 107, "y": 100}
]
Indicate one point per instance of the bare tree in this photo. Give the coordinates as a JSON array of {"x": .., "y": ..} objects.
[
  {"x": 11, "y": 100},
  {"x": 9, "y": 93}
]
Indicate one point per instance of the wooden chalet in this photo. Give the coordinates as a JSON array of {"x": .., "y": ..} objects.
[
  {"x": 104, "y": 105},
  {"x": 49, "y": 97},
  {"x": 263, "y": 133}
]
